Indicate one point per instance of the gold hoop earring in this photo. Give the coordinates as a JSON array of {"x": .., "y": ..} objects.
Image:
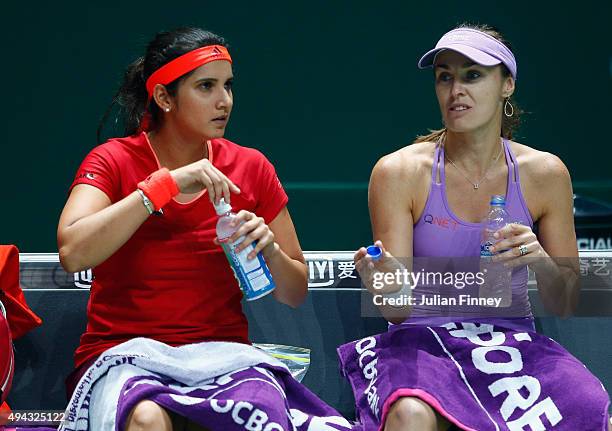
[{"x": 508, "y": 108}]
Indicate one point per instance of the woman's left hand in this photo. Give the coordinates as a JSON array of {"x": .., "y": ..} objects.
[
  {"x": 517, "y": 245},
  {"x": 254, "y": 228}
]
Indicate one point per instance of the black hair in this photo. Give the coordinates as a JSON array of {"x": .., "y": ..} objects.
[
  {"x": 509, "y": 124},
  {"x": 131, "y": 98}
]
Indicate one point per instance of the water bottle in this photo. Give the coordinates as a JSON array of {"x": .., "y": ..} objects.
[
  {"x": 497, "y": 278},
  {"x": 253, "y": 275}
]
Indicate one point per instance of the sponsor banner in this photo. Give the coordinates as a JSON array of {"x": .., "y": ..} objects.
[
  {"x": 335, "y": 270},
  {"x": 326, "y": 270}
]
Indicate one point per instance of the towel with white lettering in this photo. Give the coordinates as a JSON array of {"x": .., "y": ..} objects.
[
  {"x": 479, "y": 376},
  {"x": 218, "y": 385}
]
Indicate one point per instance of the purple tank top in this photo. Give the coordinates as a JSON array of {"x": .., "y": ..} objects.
[{"x": 439, "y": 233}]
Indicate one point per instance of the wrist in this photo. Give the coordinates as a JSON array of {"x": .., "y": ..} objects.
[
  {"x": 271, "y": 251},
  {"x": 400, "y": 298},
  {"x": 178, "y": 179},
  {"x": 160, "y": 187},
  {"x": 146, "y": 202},
  {"x": 543, "y": 263}
]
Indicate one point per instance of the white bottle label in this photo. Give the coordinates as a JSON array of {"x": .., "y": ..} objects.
[{"x": 254, "y": 276}]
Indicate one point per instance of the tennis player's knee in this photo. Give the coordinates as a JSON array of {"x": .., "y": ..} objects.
[
  {"x": 148, "y": 416},
  {"x": 409, "y": 410}
]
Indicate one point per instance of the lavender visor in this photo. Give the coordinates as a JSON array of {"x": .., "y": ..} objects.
[{"x": 475, "y": 45}]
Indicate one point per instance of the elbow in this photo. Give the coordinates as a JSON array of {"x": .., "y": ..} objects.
[
  {"x": 558, "y": 310},
  {"x": 72, "y": 253},
  {"x": 302, "y": 293},
  {"x": 300, "y": 298},
  {"x": 292, "y": 294},
  {"x": 396, "y": 315},
  {"x": 571, "y": 303},
  {"x": 567, "y": 311},
  {"x": 66, "y": 252},
  {"x": 69, "y": 259},
  {"x": 296, "y": 298},
  {"x": 396, "y": 320}
]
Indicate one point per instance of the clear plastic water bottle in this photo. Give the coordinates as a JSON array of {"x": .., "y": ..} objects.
[
  {"x": 497, "y": 277},
  {"x": 253, "y": 275}
]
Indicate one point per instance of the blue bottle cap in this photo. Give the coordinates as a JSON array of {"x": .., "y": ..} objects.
[
  {"x": 374, "y": 252},
  {"x": 498, "y": 200}
]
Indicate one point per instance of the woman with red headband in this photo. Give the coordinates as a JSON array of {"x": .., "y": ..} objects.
[
  {"x": 445, "y": 364},
  {"x": 141, "y": 213}
]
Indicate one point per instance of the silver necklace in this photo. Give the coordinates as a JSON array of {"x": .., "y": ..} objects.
[{"x": 475, "y": 184}]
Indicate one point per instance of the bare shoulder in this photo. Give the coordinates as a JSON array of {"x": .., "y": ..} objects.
[
  {"x": 545, "y": 180},
  {"x": 403, "y": 177},
  {"x": 539, "y": 168},
  {"x": 407, "y": 165}
]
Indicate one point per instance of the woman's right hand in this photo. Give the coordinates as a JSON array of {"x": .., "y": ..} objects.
[
  {"x": 202, "y": 175},
  {"x": 369, "y": 268}
]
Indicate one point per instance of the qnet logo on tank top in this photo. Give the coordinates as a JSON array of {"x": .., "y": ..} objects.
[{"x": 440, "y": 221}]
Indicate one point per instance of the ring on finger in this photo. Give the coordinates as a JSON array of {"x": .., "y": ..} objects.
[{"x": 523, "y": 249}]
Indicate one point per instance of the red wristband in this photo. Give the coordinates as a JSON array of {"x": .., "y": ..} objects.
[{"x": 159, "y": 187}]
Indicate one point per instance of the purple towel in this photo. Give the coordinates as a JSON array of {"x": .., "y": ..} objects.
[
  {"x": 255, "y": 398},
  {"x": 219, "y": 385},
  {"x": 479, "y": 376}
]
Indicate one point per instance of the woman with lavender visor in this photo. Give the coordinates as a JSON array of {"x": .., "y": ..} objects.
[{"x": 451, "y": 366}]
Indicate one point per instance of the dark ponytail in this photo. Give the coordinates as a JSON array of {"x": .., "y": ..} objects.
[
  {"x": 131, "y": 98},
  {"x": 509, "y": 124}
]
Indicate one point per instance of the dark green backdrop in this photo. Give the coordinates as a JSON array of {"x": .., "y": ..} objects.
[{"x": 323, "y": 88}]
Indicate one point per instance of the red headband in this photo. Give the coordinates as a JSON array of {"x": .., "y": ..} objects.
[{"x": 186, "y": 63}]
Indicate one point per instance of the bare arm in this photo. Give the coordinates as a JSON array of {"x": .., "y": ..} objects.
[
  {"x": 553, "y": 255},
  {"x": 91, "y": 229},
  {"x": 390, "y": 205},
  {"x": 558, "y": 273},
  {"x": 286, "y": 262},
  {"x": 280, "y": 247}
]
